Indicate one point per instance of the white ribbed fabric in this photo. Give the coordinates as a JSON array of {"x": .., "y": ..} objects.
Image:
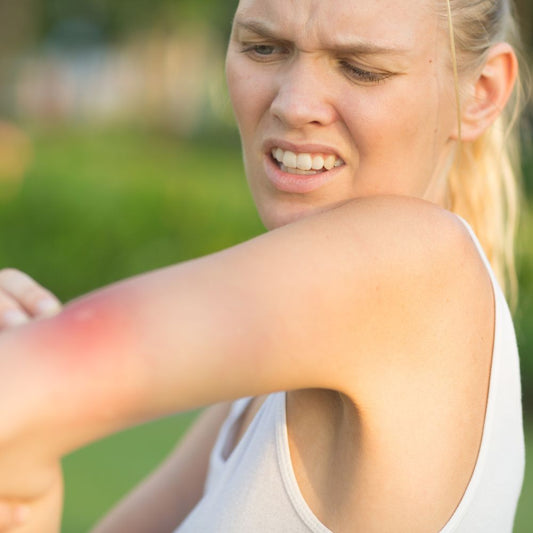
[{"x": 255, "y": 489}]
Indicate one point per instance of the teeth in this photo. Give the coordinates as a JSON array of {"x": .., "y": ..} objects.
[
  {"x": 329, "y": 162},
  {"x": 298, "y": 171},
  {"x": 318, "y": 162},
  {"x": 306, "y": 163},
  {"x": 290, "y": 159}
]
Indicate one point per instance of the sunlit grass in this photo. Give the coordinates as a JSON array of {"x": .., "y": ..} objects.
[{"x": 98, "y": 476}]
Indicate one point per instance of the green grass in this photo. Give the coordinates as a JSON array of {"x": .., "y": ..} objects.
[
  {"x": 97, "y": 206},
  {"x": 97, "y": 476}
]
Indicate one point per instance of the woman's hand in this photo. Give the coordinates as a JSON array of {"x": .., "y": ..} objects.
[
  {"x": 22, "y": 300},
  {"x": 40, "y": 513}
]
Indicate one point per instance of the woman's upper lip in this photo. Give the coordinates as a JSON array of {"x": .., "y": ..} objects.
[{"x": 308, "y": 148}]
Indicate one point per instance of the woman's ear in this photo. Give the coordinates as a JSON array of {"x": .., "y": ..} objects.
[{"x": 490, "y": 91}]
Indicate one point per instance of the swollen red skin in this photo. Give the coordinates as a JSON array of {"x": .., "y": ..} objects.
[
  {"x": 85, "y": 332},
  {"x": 87, "y": 368}
]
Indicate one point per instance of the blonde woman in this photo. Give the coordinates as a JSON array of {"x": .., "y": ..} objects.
[{"x": 360, "y": 355}]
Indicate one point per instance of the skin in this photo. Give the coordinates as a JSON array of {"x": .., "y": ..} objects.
[
  {"x": 384, "y": 421},
  {"x": 22, "y": 300}
]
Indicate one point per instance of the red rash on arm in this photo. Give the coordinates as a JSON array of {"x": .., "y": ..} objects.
[
  {"x": 86, "y": 330},
  {"x": 81, "y": 372}
]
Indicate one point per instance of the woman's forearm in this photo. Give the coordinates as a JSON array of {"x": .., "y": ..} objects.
[
  {"x": 75, "y": 377},
  {"x": 117, "y": 357}
]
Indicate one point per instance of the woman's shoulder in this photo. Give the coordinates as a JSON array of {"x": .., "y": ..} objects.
[
  {"x": 392, "y": 226},
  {"x": 401, "y": 245},
  {"x": 416, "y": 378}
]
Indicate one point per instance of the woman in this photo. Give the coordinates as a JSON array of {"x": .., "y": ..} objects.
[{"x": 369, "y": 302}]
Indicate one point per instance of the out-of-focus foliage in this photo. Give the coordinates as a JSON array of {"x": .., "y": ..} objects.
[
  {"x": 159, "y": 64},
  {"x": 98, "y": 206},
  {"x": 117, "y": 18},
  {"x": 525, "y": 11}
]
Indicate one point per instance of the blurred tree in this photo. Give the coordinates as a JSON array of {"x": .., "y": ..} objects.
[
  {"x": 525, "y": 11},
  {"x": 17, "y": 25},
  {"x": 18, "y": 31},
  {"x": 118, "y": 18}
]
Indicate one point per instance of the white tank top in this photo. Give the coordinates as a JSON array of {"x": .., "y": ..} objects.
[{"x": 255, "y": 488}]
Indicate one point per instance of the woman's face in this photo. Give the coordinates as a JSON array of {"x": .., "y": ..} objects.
[{"x": 340, "y": 99}]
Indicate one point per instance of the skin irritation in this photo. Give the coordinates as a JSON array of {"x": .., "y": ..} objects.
[
  {"x": 89, "y": 347},
  {"x": 73, "y": 378}
]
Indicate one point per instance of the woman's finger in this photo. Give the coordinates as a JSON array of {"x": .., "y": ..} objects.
[
  {"x": 11, "y": 312},
  {"x": 12, "y": 516},
  {"x": 31, "y": 297}
]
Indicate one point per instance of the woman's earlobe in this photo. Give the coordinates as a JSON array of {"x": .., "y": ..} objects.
[{"x": 490, "y": 91}]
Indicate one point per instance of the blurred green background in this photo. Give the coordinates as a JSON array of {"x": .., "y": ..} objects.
[{"x": 117, "y": 155}]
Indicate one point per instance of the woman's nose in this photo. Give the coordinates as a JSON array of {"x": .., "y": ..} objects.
[{"x": 303, "y": 96}]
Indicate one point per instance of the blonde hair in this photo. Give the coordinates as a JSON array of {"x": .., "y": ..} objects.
[{"x": 483, "y": 184}]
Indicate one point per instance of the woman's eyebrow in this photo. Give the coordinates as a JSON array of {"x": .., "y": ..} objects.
[
  {"x": 361, "y": 47},
  {"x": 349, "y": 46},
  {"x": 256, "y": 27}
]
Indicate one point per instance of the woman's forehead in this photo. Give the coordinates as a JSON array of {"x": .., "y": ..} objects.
[{"x": 392, "y": 23}]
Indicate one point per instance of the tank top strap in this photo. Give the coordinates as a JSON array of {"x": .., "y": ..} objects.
[
  {"x": 219, "y": 453},
  {"x": 480, "y": 250}
]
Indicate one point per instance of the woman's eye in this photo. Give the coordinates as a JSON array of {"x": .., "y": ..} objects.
[
  {"x": 262, "y": 51},
  {"x": 361, "y": 75}
]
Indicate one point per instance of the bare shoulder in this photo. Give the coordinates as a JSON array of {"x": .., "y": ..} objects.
[
  {"x": 403, "y": 225},
  {"x": 415, "y": 377},
  {"x": 429, "y": 289},
  {"x": 404, "y": 291},
  {"x": 418, "y": 246},
  {"x": 399, "y": 232}
]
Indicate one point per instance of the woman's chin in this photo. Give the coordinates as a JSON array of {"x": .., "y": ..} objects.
[{"x": 280, "y": 214}]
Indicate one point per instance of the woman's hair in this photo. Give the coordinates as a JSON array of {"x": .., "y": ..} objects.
[{"x": 483, "y": 184}]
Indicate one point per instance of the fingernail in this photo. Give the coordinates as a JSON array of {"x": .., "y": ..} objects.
[
  {"x": 22, "y": 513},
  {"x": 48, "y": 307},
  {"x": 14, "y": 317}
]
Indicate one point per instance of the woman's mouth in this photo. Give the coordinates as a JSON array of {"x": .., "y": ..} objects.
[
  {"x": 305, "y": 164},
  {"x": 301, "y": 172}
]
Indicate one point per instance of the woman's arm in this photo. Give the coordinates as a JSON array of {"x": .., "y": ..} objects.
[
  {"x": 321, "y": 303},
  {"x": 163, "y": 500}
]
